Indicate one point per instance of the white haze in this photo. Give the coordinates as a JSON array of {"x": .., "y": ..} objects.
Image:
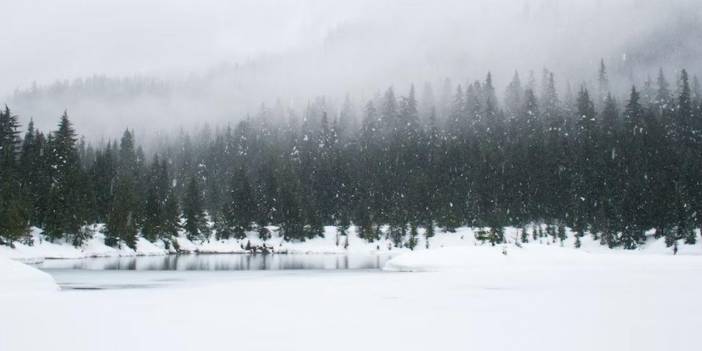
[{"x": 215, "y": 61}]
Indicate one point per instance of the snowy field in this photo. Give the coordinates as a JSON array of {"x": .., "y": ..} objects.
[{"x": 457, "y": 298}]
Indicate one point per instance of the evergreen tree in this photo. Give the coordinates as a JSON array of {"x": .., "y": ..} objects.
[
  {"x": 195, "y": 225},
  {"x": 607, "y": 214},
  {"x": 64, "y": 214},
  {"x": 14, "y": 214},
  {"x": 585, "y": 191},
  {"x": 155, "y": 201},
  {"x": 171, "y": 217},
  {"x": 122, "y": 223},
  {"x": 240, "y": 211},
  {"x": 686, "y": 139},
  {"x": 634, "y": 173}
]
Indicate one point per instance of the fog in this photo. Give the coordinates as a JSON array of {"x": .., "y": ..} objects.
[{"x": 159, "y": 65}]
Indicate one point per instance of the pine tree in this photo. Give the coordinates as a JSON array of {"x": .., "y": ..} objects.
[
  {"x": 607, "y": 215},
  {"x": 587, "y": 167},
  {"x": 31, "y": 168},
  {"x": 14, "y": 216},
  {"x": 292, "y": 226},
  {"x": 103, "y": 174},
  {"x": 154, "y": 203},
  {"x": 122, "y": 223},
  {"x": 64, "y": 215},
  {"x": 240, "y": 211},
  {"x": 195, "y": 226},
  {"x": 634, "y": 173},
  {"x": 171, "y": 217},
  {"x": 686, "y": 140},
  {"x": 413, "y": 239}
]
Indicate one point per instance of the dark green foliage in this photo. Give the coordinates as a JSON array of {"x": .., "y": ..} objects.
[
  {"x": 496, "y": 235},
  {"x": 413, "y": 239},
  {"x": 14, "y": 209},
  {"x": 195, "y": 225},
  {"x": 158, "y": 189},
  {"x": 171, "y": 216},
  {"x": 589, "y": 162},
  {"x": 65, "y": 216},
  {"x": 524, "y": 235},
  {"x": 122, "y": 221},
  {"x": 561, "y": 232},
  {"x": 35, "y": 180},
  {"x": 240, "y": 209}
]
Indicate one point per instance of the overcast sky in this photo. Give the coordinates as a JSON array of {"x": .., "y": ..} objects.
[
  {"x": 295, "y": 50},
  {"x": 45, "y": 40}
]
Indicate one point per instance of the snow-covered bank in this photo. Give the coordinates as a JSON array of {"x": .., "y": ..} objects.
[
  {"x": 19, "y": 278},
  {"x": 484, "y": 257},
  {"x": 504, "y": 257},
  {"x": 331, "y": 243},
  {"x": 94, "y": 247}
]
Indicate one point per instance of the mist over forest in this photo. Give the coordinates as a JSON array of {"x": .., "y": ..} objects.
[
  {"x": 185, "y": 67},
  {"x": 209, "y": 174}
]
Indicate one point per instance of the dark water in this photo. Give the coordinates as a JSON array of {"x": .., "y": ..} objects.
[
  {"x": 224, "y": 262},
  {"x": 94, "y": 274}
]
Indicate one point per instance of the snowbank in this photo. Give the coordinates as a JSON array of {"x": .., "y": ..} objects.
[
  {"x": 16, "y": 277},
  {"x": 482, "y": 257},
  {"x": 539, "y": 255},
  {"x": 331, "y": 243},
  {"x": 94, "y": 247}
]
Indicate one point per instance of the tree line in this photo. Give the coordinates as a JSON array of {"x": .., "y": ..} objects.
[{"x": 591, "y": 161}]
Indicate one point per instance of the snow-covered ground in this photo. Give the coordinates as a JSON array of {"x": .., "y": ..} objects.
[
  {"x": 93, "y": 247},
  {"x": 18, "y": 278},
  {"x": 467, "y": 298},
  {"x": 331, "y": 243}
]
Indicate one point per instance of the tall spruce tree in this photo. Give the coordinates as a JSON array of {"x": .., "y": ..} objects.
[
  {"x": 65, "y": 215},
  {"x": 122, "y": 223},
  {"x": 155, "y": 200},
  {"x": 240, "y": 209},
  {"x": 14, "y": 212},
  {"x": 195, "y": 225}
]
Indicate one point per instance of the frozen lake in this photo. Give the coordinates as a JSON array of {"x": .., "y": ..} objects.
[
  {"x": 160, "y": 271},
  {"x": 537, "y": 298}
]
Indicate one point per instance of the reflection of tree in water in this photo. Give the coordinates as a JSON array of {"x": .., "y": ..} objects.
[{"x": 222, "y": 262}]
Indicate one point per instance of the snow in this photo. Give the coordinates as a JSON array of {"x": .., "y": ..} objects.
[
  {"x": 318, "y": 245},
  {"x": 95, "y": 246},
  {"x": 504, "y": 257},
  {"x": 484, "y": 257},
  {"x": 462, "y": 295},
  {"x": 147, "y": 248},
  {"x": 19, "y": 278},
  {"x": 186, "y": 245},
  {"x": 533, "y": 298}
]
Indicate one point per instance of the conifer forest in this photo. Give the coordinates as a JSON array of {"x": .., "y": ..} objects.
[
  {"x": 350, "y": 175},
  {"x": 607, "y": 163}
]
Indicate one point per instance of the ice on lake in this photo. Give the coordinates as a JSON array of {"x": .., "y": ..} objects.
[{"x": 160, "y": 271}]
